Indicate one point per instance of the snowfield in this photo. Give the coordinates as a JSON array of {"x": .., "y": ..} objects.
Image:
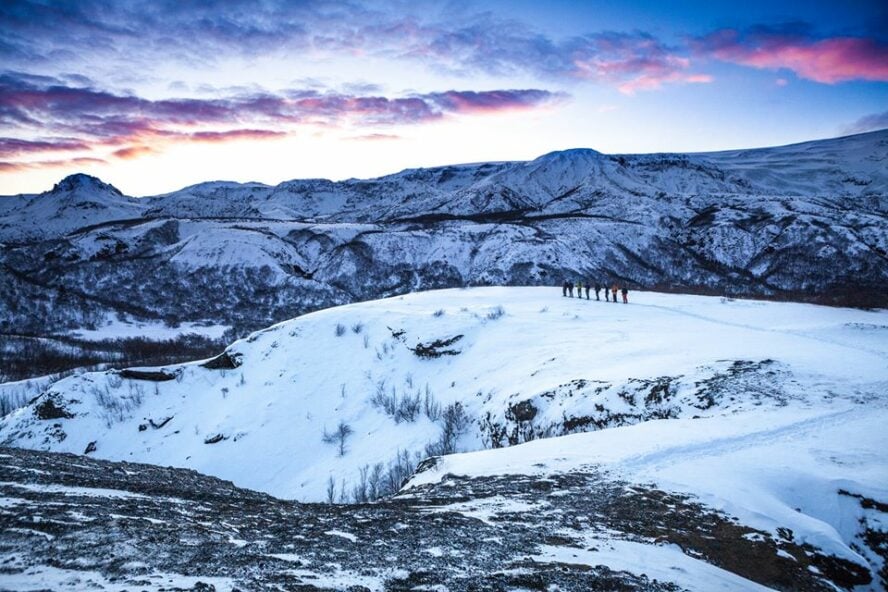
[{"x": 770, "y": 413}]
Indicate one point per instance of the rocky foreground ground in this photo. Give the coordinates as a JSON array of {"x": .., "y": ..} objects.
[{"x": 75, "y": 523}]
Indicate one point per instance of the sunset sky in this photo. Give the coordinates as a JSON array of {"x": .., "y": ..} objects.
[{"x": 156, "y": 95}]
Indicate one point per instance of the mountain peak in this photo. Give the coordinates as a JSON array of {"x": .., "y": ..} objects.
[
  {"x": 571, "y": 153},
  {"x": 82, "y": 181}
]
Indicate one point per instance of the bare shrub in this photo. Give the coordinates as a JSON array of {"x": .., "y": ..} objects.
[
  {"x": 340, "y": 329},
  {"x": 357, "y": 328},
  {"x": 408, "y": 407},
  {"x": 116, "y": 408},
  {"x": 136, "y": 394},
  {"x": 496, "y": 313},
  {"x": 331, "y": 490},
  {"x": 10, "y": 401},
  {"x": 339, "y": 437},
  {"x": 374, "y": 481},
  {"x": 438, "y": 313},
  {"x": 399, "y": 470},
  {"x": 456, "y": 421},
  {"x": 430, "y": 406},
  {"x": 361, "y": 490},
  {"x": 23, "y": 357},
  {"x": 405, "y": 407}
]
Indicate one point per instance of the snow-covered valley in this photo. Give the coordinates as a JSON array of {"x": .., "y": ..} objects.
[{"x": 742, "y": 420}]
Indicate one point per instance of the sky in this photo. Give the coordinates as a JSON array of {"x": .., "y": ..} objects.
[{"x": 155, "y": 95}]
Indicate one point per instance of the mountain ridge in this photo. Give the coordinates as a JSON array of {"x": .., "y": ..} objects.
[{"x": 801, "y": 222}]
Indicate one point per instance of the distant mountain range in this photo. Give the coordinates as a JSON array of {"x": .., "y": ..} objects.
[{"x": 803, "y": 222}]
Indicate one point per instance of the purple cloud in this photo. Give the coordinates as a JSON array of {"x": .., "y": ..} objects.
[
  {"x": 630, "y": 61},
  {"x": 793, "y": 47},
  {"x": 471, "y": 102},
  {"x": 85, "y": 118},
  {"x": 465, "y": 43},
  {"x": 10, "y": 147},
  {"x": 14, "y": 167}
]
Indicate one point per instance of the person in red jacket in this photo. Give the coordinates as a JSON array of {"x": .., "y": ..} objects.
[{"x": 614, "y": 290}]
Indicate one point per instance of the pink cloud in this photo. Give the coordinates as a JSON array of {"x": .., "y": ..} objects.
[
  {"x": 375, "y": 137},
  {"x": 654, "y": 80},
  {"x": 131, "y": 152},
  {"x": 18, "y": 147},
  {"x": 632, "y": 63},
  {"x": 831, "y": 60},
  {"x": 495, "y": 101},
  {"x": 10, "y": 167},
  {"x": 134, "y": 126},
  {"x": 237, "y": 134}
]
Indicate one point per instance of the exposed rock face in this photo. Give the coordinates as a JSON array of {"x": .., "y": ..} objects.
[{"x": 78, "y": 523}]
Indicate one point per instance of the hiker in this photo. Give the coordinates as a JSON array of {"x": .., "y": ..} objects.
[
  {"x": 570, "y": 289},
  {"x": 625, "y": 295},
  {"x": 597, "y": 291},
  {"x": 606, "y": 294},
  {"x": 615, "y": 289},
  {"x": 579, "y": 289},
  {"x": 564, "y": 288},
  {"x": 588, "y": 287}
]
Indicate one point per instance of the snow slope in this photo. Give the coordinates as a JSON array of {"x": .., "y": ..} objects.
[
  {"x": 299, "y": 377},
  {"x": 763, "y": 411},
  {"x": 771, "y": 469}
]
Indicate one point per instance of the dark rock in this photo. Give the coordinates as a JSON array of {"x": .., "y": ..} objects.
[
  {"x": 159, "y": 424},
  {"x": 523, "y": 411},
  {"x": 223, "y": 361},
  {"x": 427, "y": 465},
  {"x": 91, "y": 447},
  {"x": 152, "y": 375},
  {"x": 437, "y": 348},
  {"x": 52, "y": 408},
  {"x": 214, "y": 438}
]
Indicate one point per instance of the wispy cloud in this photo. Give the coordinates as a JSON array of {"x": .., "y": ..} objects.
[
  {"x": 11, "y": 147},
  {"x": 868, "y": 123},
  {"x": 85, "y": 118},
  {"x": 13, "y": 167},
  {"x": 630, "y": 61},
  {"x": 374, "y": 137},
  {"x": 793, "y": 47},
  {"x": 466, "y": 42}
]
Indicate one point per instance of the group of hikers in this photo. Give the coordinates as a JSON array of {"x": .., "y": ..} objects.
[{"x": 567, "y": 290}]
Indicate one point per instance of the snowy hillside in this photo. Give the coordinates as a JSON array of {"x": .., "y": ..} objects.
[
  {"x": 768, "y": 412},
  {"x": 803, "y": 222}
]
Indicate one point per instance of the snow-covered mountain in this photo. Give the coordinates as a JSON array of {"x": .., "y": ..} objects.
[
  {"x": 768, "y": 414},
  {"x": 806, "y": 221}
]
